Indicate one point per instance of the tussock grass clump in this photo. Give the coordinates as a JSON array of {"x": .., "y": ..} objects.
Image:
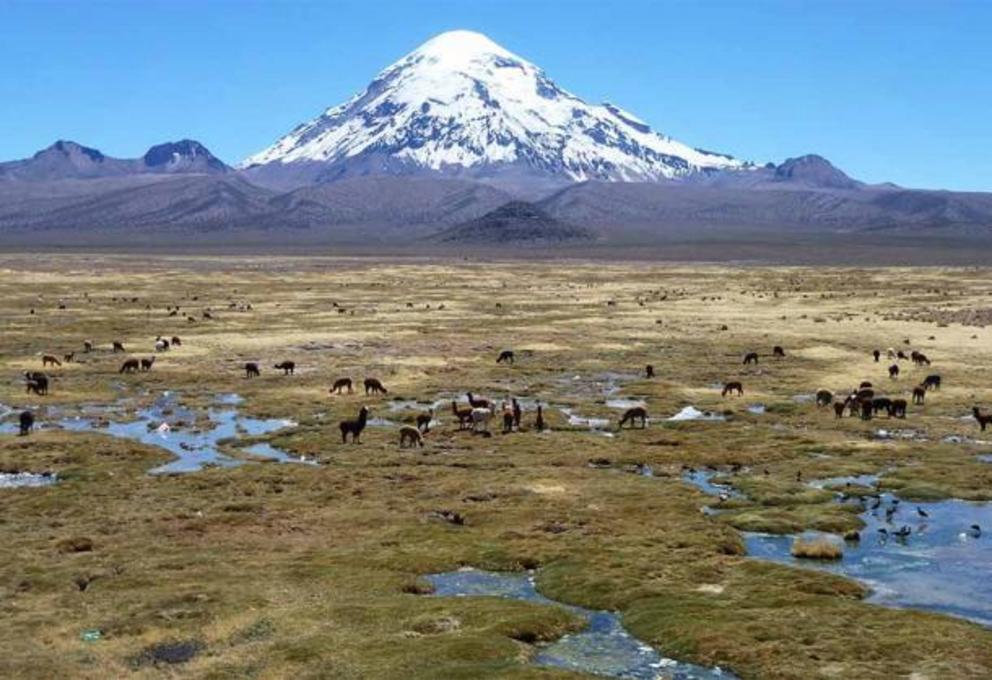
[{"x": 820, "y": 548}]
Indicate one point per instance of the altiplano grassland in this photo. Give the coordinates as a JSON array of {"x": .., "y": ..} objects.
[{"x": 275, "y": 570}]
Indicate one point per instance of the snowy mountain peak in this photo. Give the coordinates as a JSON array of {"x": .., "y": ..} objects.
[{"x": 462, "y": 105}]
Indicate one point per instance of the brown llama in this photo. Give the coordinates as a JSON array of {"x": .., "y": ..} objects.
[
  {"x": 839, "y": 407},
  {"x": 25, "y": 423},
  {"x": 867, "y": 409},
  {"x": 864, "y": 384},
  {"x": 632, "y": 415},
  {"x": 539, "y": 421},
  {"x": 251, "y": 370},
  {"x": 750, "y": 358},
  {"x": 69, "y": 357},
  {"x": 287, "y": 367},
  {"x": 146, "y": 364},
  {"x": 731, "y": 387},
  {"x": 881, "y": 404},
  {"x": 824, "y": 397},
  {"x": 342, "y": 384},
  {"x": 87, "y": 346},
  {"x": 118, "y": 347},
  {"x": 130, "y": 366},
  {"x": 37, "y": 382},
  {"x": 778, "y": 351},
  {"x": 649, "y": 371},
  {"x": 506, "y": 355},
  {"x": 354, "y": 427},
  {"x": 464, "y": 415},
  {"x": 898, "y": 408},
  {"x": 982, "y": 418},
  {"x": 894, "y": 371},
  {"x": 424, "y": 420},
  {"x": 919, "y": 394},
  {"x": 478, "y": 403},
  {"x": 410, "y": 436},
  {"x": 877, "y": 354},
  {"x": 932, "y": 381},
  {"x": 177, "y": 341},
  {"x": 374, "y": 386},
  {"x": 50, "y": 359},
  {"x": 517, "y": 412}
]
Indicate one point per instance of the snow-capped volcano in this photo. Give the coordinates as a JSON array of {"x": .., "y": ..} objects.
[{"x": 462, "y": 105}]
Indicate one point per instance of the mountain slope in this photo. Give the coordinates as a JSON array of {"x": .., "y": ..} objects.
[
  {"x": 460, "y": 105},
  {"x": 516, "y": 222}
]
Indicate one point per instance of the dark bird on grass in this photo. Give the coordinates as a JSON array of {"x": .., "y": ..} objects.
[{"x": 921, "y": 512}]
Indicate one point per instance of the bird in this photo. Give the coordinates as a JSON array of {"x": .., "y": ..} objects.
[
  {"x": 889, "y": 512},
  {"x": 976, "y": 530},
  {"x": 876, "y": 503},
  {"x": 921, "y": 512},
  {"x": 903, "y": 532}
]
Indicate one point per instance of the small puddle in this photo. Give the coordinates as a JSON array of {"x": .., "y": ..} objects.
[
  {"x": 19, "y": 480},
  {"x": 603, "y": 648},
  {"x": 985, "y": 457},
  {"x": 756, "y": 409},
  {"x": 597, "y": 425}
]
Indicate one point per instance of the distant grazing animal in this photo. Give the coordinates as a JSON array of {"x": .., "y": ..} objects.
[
  {"x": 839, "y": 407},
  {"x": 373, "y": 386},
  {"x": 130, "y": 366},
  {"x": 864, "y": 385},
  {"x": 750, "y": 358},
  {"x": 506, "y": 355},
  {"x": 982, "y": 418},
  {"x": 517, "y": 412},
  {"x": 478, "y": 403},
  {"x": 424, "y": 420},
  {"x": 778, "y": 351},
  {"x": 342, "y": 384},
  {"x": 480, "y": 419},
  {"x": 919, "y": 394},
  {"x": 919, "y": 358},
  {"x": 932, "y": 381},
  {"x": 410, "y": 436},
  {"x": 507, "y": 417},
  {"x": 632, "y": 415},
  {"x": 69, "y": 358},
  {"x": 464, "y": 415},
  {"x": 118, "y": 347},
  {"x": 901, "y": 355},
  {"x": 146, "y": 364},
  {"x": 898, "y": 408},
  {"x": 354, "y": 427},
  {"x": 87, "y": 346},
  {"x": 287, "y": 367},
  {"x": 50, "y": 359},
  {"x": 733, "y": 386},
  {"x": 176, "y": 341},
  {"x": 539, "y": 421},
  {"x": 251, "y": 370},
  {"x": 26, "y": 422},
  {"x": 865, "y": 394},
  {"x": 890, "y": 353},
  {"x": 877, "y": 355},
  {"x": 894, "y": 371},
  {"x": 867, "y": 409},
  {"x": 649, "y": 371},
  {"x": 881, "y": 404},
  {"x": 161, "y": 345},
  {"x": 36, "y": 382},
  {"x": 824, "y": 397}
]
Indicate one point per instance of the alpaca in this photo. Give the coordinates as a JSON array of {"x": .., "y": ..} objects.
[
  {"x": 649, "y": 371},
  {"x": 881, "y": 404},
  {"x": 877, "y": 355},
  {"x": 161, "y": 345},
  {"x": 750, "y": 358},
  {"x": 865, "y": 393},
  {"x": 410, "y": 436},
  {"x": 146, "y": 364},
  {"x": 50, "y": 359},
  {"x": 176, "y": 341},
  {"x": 506, "y": 355},
  {"x": 373, "y": 386},
  {"x": 901, "y": 355},
  {"x": 342, "y": 384},
  {"x": 517, "y": 413},
  {"x": 87, "y": 346},
  {"x": 898, "y": 408},
  {"x": 480, "y": 419},
  {"x": 26, "y": 422},
  {"x": 69, "y": 358},
  {"x": 478, "y": 403},
  {"x": 287, "y": 367},
  {"x": 464, "y": 415},
  {"x": 539, "y": 421},
  {"x": 354, "y": 427},
  {"x": 424, "y": 420},
  {"x": 867, "y": 410},
  {"x": 932, "y": 381},
  {"x": 778, "y": 351},
  {"x": 982, "y": 418},
  {"x": 824, "y": 397},
  {"x": 507, "y": 409},
  {"x": 919, "y": 394},
  {"x": 251, "y": 370},
  {"x": 130, "y": 366},
  {"x": 890, "y": 353},
  {"x": 864, "y": 384},
  {"x": 839, "y": 407},
  {"x": 118, "y": 347},
  {"x": 853, "y": 404},
  {"x": 733, "y": 386},
  {"x": 919, "y": 358},
  {"x": 632, "y": 415},
  {"x": 36, "y": 382},
  {"x": 894, "y": 371}
]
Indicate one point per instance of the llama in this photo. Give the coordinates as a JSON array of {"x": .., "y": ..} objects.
[
  {"x": 69, "y": 357},
  {"x": 982, "y": 418},
  {"x": 50, "y": 359},
  {"x": 865, "y": 393},
  {"x": 251, "y": 370},
  {"x": 632, "y": 415},
  {"x": 750, "y": 358},
  {"x": 507, "y": 409},
  {"x": 287, "y": 367},
  {"x": 881, "y": 404},
  {"x": 649, "y": 371},
  {"x": 464, "y": 415},
  {"x": 517, "y": 413},
  {"x": 867, "y": 409},
  {"x": 374, "y": 386},
  {"x": 161, "y": 345},
  {"x": 424, "y": 420},
  {"x": 87, "y": 346},
  {"x": 146, "y": 364},
  {"x": 778, "y": 351},
  {"x": 894, "y": 371},
  {"x": 118, "y": 347},
  {"x": 919, "y": 358},
  {"x": 177, "y": 341},
  {"x": 342, "y": 384},
  {"x": 36, "y": 382},
  {"x": 480, "y": 419},
  {"x": 932, "y": 381},
  {"x": 877, "y": 354},
  {"x": 26, "y": 423},
  {"x": 839, "y": 407},
  {"x": 354, "y": 427},
  {"x": 539, "y": 421},
  {"x": 898, "y": 408},
  {"x": 919, "y": 394},
  {"x": 733, "y": 386},
  {"x": 130, "y": 366},
  {"x": 824, "y": 397},
  {"x": 478, "y": 403},
  {"x": 410, "y": 436},
  {"x": 506, "y": 355}
]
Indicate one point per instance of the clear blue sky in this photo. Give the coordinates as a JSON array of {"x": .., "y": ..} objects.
[{"x": 896, "y": 90}]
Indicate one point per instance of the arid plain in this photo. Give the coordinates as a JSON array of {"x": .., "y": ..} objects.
[{"x": 268, "y": 569}]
